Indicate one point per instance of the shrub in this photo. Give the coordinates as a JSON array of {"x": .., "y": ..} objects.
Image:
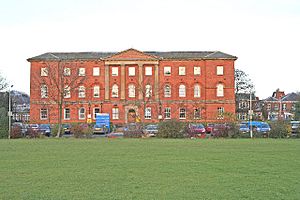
[
  {"x": 133, "y": 131},
  {"x": 279, "y": 129},
  {"x": 172, "y": 129},
  {"x": 16, "y": 132},
  {"x": 81, "y": 130},
  {"x": 31, "y": 133}
]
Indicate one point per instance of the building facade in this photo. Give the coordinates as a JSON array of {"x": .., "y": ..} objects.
[
  {"x": 132, "y": 86},
  {"x": 243, "y": 107},
  {"x": 280, "y": 106}
]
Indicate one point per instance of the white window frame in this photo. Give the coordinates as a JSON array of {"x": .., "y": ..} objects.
[
  {"x": 167, "y": 71},
  {"x": 44, "y": 91},
  {"x": 182, "y": 90},
  {"x": 182, "y": 113},
  {"x": 81, "y": 71},
  {"x": 43, "y": 113},
  {"x": 67, "y": 116},
  {"x": 197, "y": 70},
  {"x": 81, "y": 115},
  {"x": 115, "y": 71},
  {"x": 96, "y": 71},
  {"x": 96, "y": 91},
  {"x": 148, "y": 113},
  {"x": 284, "y": 106},
  {"x": 167, "y": 90},
  {"x": 44, "y": 71},
  {"x": 67, "y": 71},
  {"x": 94, "y": 112},
  {"x": 115, "y": 91},
  {"x": 221, "y": 111},
  {"x": 220, "y": 90},
  {"x": 148, "y": 71},
  {"x": 148, "y": 90},
  {"x": 67, "y": 92},
  {"x": 269, "y": 106},
  {"x": 131, "y": 71},
  {"x": 81, "y": 91},
  {"x": 115, "y": 113},
  {"x": 181, "y": 71},
  {"x": 131, "y": 90},
  {"x": 167, "y": 113},
  {"x": 197, "y": 91},
  {"x": 220, "y": 70}
]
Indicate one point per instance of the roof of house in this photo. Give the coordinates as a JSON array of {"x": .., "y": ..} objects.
[
  {"x": 160, "y": 55},
  {"x": 289, "y": 97}
]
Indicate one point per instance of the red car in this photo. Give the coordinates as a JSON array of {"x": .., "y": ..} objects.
[{"x": 196, "y": 129}]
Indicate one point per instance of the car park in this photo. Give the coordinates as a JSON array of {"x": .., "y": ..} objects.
[{"x": 150, "y": 130}]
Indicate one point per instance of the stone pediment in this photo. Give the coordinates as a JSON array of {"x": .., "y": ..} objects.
[{"x": 131, "y": 54}]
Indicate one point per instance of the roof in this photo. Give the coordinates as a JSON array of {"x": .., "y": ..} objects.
[
  {"x": 291, "y": 97},
  {"x": 207, "y": 55}
]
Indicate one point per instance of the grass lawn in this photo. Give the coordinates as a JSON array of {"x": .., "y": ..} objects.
[{"x": 149, "y": 169}]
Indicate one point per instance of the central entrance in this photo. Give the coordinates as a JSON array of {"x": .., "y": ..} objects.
[{"x": 131, "y": 114}]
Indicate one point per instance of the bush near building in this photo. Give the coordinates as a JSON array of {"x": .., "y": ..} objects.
[
  {"x": 172, "y": 129},
  {"x": 279, "y": 129}
]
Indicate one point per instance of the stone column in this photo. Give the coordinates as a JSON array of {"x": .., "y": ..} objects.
[
  {"x": 106, "y": 82},
  {"x": 156, "y": 82},
  {"x": 141, "y": 85},
  {"x": 123, "y": 81}
]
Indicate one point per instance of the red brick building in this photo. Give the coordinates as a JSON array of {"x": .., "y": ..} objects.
[{"x": 132, "y": 85}]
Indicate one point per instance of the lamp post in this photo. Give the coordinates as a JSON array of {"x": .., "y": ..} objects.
[
  {"x": 250, "y": 115},
  {"x": 9, "y": 111}
]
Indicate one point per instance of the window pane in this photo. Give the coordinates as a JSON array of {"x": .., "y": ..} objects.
[
  {"x": 81, "y": 72},
  {"x": 219, "y": 70},
  {"x": 67, "y": 72},
  {"x": 167, "y": 113},
  {"x": 148, "y": 91},
  {"x": 81, "y": 92},
  {"x": 81, "y": 113},
  {"x": 114, "y": 71},
  {"x": 148, "y": 113},
  {"x": 115, "y": 91},
  {"x": 220, "y": 90},
  {"x": 43, "y": 114},
  {"x": 131, "y": 90},
  {"x": 44, "y": 91},
  {"x": 197, "y": 70},
  {"x": 97, "y": 91},
  {"x": 182, "y": 113},
  {"x": 67, "y": 113},
  {"x": 44, "y": 71},
  {"x": 182, "y": 91},
  {"x": 181, "y": 71},
  {"x": 167, "y": 71},
  {"x": 115, "y": 113},
  {"x": 167, "y": 91},
  {"x": 197, "y": 90},
  {"x": 96, "y": 71},
  {"x": 148, "y": 71},
  {"x": 131, "y": 71}
]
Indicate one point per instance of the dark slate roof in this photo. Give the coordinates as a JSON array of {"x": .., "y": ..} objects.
[
  {"x": 161, "y": 55},
  {"x": 270, "y": 99},
  {"x": 291, "y": 97},
  {"x": 243, "y": 96}
]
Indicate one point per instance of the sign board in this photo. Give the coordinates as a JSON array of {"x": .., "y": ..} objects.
[{"x": 103, "y": 120}]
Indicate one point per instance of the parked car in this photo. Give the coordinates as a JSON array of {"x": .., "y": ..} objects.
[
  {"x": 196, "y": 129},
  {"x": 66, "y": 128},
  {"x": 244, "y": 128},
  {"x": 151, "y": 130},
  {"x": 100, "y": 129},
  {"x": 34, "y": 127},
  {"x": 295, "y": 126},
  {"x": 45, "y": 129},
  {"x": 209, "y": 127}
]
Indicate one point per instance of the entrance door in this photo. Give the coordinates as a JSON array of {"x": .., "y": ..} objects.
[{"x": 131, "y": 116}]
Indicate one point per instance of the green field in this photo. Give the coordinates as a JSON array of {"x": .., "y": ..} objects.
[{"x": 149, "y": 169}]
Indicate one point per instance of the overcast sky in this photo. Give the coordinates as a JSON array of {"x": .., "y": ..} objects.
[{"x": 263, "y": 34}]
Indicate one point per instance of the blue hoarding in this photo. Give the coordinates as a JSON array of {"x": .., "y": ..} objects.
[{"x": 103, "y": 120}]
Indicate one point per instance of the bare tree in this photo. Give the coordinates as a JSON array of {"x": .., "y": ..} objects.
[
  {"x": 55, "y": 82},
  {"x": 243, "y": 83},
  {"x": 3, "y": 83}
]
